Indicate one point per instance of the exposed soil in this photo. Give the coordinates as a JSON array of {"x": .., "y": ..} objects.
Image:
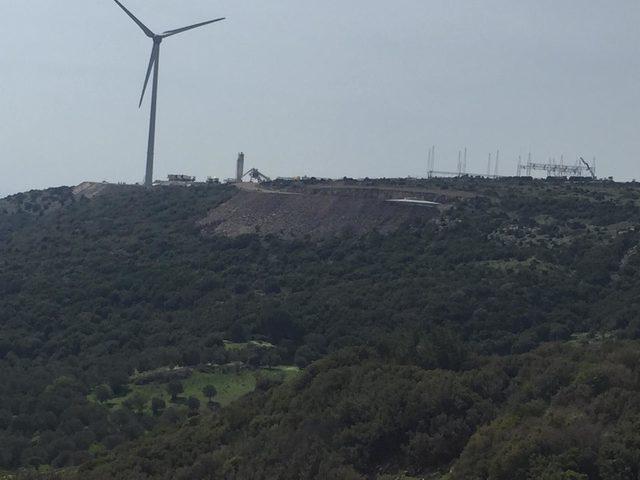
[
  {"x": 309, "y": 216},
  {"x": 95, "y": 189}
]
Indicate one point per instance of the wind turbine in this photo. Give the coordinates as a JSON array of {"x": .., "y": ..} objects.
[{"x": 154, "y": 63}]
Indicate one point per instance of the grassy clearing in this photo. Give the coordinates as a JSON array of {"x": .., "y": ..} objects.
[{"x": 230, "y": 386}]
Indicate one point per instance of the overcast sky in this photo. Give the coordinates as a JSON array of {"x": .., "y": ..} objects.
[{"x": 325, "y": 88}]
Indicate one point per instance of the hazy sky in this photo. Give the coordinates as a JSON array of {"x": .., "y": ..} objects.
[{"x": 326, "y": 88}]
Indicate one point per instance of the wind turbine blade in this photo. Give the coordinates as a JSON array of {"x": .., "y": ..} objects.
[
  {"x": 144, "y": 28},
  {"x": 152, "y": 61},
  {"x": 180, "y": 30}
]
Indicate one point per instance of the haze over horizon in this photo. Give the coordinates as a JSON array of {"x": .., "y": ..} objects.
[{"x": 331, "y": 89}]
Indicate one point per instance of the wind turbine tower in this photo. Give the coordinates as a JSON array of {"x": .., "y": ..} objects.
[{"x": 154, "y": 64}]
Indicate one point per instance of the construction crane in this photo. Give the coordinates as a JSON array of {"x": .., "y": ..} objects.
[
  {"x": 257, "y": 175},
  {"x": 591, "y": 171}
]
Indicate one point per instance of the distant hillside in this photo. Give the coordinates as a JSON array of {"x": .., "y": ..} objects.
[
  {"x": 36, "y": 202},
  {"x": 494, "y": 338}
]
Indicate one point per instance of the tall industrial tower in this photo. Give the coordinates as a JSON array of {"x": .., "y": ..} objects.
[{"x": 240, "y": 167}]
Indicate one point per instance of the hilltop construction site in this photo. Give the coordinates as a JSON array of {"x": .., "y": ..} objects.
[
  {"x": 314, "y": 208},
  {"x": 310, "y": 208}
]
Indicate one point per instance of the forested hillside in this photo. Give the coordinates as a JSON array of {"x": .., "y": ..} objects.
[{"x": 499, "y": 339}]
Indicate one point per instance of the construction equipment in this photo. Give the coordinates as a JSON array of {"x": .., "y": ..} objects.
[
  {"x": 590, "y": 168},
  {"x": 257, "y": 175},
  {"x": 181, "y": 178}
]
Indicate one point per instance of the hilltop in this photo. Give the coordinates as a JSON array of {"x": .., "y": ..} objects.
[{"x": 494, "y": 335}]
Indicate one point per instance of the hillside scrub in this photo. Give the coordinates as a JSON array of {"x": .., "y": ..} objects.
[{"x": 95, "y": 292}]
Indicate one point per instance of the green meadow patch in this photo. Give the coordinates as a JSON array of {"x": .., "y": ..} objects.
[{"x": 230, "y": 382}]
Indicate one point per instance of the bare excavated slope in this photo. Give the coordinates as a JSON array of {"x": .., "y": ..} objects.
[
  {"x": 95, "y": 189},
  {"x": 303, "y": 215}
]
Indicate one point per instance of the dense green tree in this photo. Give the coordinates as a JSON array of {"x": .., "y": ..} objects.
[
  {"x": 210, "y": 392},
  {"x": 135, "y": 402},
  {"x": 175, "y": 388},
  {"x": 193, "y": 403},
  {"x": 103, "y": 393},
  {"x": 157, "y": 405}
]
